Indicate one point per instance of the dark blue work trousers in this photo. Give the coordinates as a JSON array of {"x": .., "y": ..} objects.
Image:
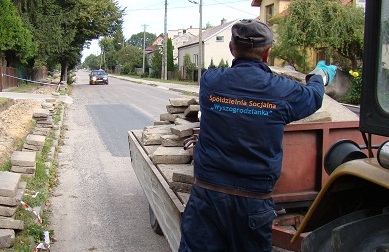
[{"x": 214, "y": 221}]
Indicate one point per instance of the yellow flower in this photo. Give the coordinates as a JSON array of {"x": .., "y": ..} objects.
[
  {"x": 351, "y": 72},
  {"x": 355, "y": 74}
]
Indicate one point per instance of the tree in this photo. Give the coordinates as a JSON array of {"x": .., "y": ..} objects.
[
  {"x": 212, "y": 65},
  {"x": 221, "y": 64},
  {"x": 189, "y": 67},
  {"x": 16, "y": 41},
  {"x": 131, "y": 57},
  {"x": 44, "y": 19},
  {"x": 327, "y": 26},
  {"x": 156, "y": 63},
  {"x": 92, "y": 61},
  {"x": 137, "y": 39},
  {"x": 93, "y": 19},
  {"x": 170, "y": 61}
]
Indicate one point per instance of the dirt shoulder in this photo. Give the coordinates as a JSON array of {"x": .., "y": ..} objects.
[{"x": 16, "y": 122}]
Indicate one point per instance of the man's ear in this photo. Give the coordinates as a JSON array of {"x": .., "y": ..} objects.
[{"x": 266, "y": 55}]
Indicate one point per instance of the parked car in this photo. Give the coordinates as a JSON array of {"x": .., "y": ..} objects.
[{"x": 98, "y": 76}]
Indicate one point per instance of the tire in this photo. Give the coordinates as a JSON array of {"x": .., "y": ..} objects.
[{"x": 154, "y": 222}]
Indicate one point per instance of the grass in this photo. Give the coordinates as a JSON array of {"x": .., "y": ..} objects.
[
  {"x": 44, "y": 180},
  {"x": 24, "y": 87},
  {"x": 3, "y": 100}
]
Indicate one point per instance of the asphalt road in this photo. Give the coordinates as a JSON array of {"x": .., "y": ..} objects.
[{"x": 99, "y": 204}]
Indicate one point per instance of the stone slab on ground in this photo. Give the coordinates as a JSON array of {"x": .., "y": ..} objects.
[
  {"x": 36, "y": 140},
  {"x": 8, "y": 211},
  {"x": 9, "y": 182},
  {"x": 7, "y": 238},
  {"x": 23, "y": 158},
  {"x": 170, "y": 155},
  {"x": 14, "y": 200},
  {"x": 41, "y": 113},
  {"x": 23, "y": 169},
  {"x": 11, "y": 223}
]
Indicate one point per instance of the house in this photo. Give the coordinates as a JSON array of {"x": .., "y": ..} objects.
[
  {"x": 180, "y": 37},
  {"x": 179, "y": 32},
  {"x": 215, "y": 46}
]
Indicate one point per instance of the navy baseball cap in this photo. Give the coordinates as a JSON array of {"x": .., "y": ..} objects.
[{"x": 251, "y": 33}]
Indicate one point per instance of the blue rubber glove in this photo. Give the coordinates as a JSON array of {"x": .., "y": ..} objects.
[{"x": 326, "y": 71}]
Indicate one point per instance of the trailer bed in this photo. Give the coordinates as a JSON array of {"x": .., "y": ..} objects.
[{"x": 166, "y": 205}]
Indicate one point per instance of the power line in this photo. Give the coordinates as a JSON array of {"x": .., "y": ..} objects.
[{"x": 189, "y": 6}]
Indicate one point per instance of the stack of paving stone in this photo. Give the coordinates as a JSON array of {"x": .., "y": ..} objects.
[
  {"x": 24, "y": 163},
  {"x": 11, "y": 193},
  {"x": 164, "y": 142},
  {"x": 44, "y": 121}
]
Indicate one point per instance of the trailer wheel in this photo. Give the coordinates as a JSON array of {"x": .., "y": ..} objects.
[{"x": 154, "y": 222}]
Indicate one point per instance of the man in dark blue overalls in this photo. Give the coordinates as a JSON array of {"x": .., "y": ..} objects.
[{"x": 238, "y": 156}]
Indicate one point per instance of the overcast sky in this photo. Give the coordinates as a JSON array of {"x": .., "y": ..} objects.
[{"x": 181, "y": 14}]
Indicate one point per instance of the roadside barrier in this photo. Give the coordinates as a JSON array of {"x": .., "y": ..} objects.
[{"x": 39, "y": 82}]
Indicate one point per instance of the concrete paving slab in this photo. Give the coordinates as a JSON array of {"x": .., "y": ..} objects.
[
  {"x": 7, "y": 238},
  {"x": 9, "y": 182},
  {"x": 23, "y": 158}
]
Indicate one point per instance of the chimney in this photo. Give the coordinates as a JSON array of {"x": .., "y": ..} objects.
[{"x": 223, "y": 21}]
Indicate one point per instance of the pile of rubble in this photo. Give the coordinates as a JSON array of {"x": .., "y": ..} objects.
[{"x": 23, "y": 165}]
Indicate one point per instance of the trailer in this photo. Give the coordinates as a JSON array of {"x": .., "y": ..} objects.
[
  {"x": 305, "y": 144},
  {"x": 333, "y": 193}
]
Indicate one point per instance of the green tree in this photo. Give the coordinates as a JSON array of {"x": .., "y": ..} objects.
[
  {"x": 16, "y": 41},
  {"x": 93, "y": 19},
  {"x": 45, "y": 20},
  {"x": 156, "y": 63},
  {"x": 92, "y": 61},
  {"x": 327, "y": 26},
  {"x": 212, "y": 65},
  {"x": 170, "y": 61},
  {"x": 189, "y": 67},
  {"x": 131, "y": 57},
  {"x": 137, "y": 39},
  {"x": 221, "y": 64}
]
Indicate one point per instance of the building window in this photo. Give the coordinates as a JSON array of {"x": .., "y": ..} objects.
[
  {"x": 219, "y": 38},
  {"x": 196, "y": 59},
  {"x": 269, "y": 12}
]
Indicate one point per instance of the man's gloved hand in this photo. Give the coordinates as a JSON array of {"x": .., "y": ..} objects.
[{"x": 326, "y": 71}]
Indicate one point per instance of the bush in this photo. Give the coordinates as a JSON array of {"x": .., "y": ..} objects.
[{"x": 354, "y": 96}]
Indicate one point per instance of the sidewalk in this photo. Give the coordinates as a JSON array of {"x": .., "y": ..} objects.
[
  {"x": 38, "y": 97},
  {"x": 170, "y": 86}
]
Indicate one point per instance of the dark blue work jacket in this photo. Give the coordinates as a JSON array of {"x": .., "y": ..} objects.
[{"x": 244, "y": 110}]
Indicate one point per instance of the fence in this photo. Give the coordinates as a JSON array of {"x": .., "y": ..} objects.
[
  {"x": 6, "y": 81},
  {"x": 10, "y": 77}
]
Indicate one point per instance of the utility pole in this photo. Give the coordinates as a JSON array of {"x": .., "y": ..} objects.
[
  {"x": 200, "y": 55},
  {"x": 144, "y": 47},
  {"x": 164, "y": 56},
  {"x": 200, "y": 41}
]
